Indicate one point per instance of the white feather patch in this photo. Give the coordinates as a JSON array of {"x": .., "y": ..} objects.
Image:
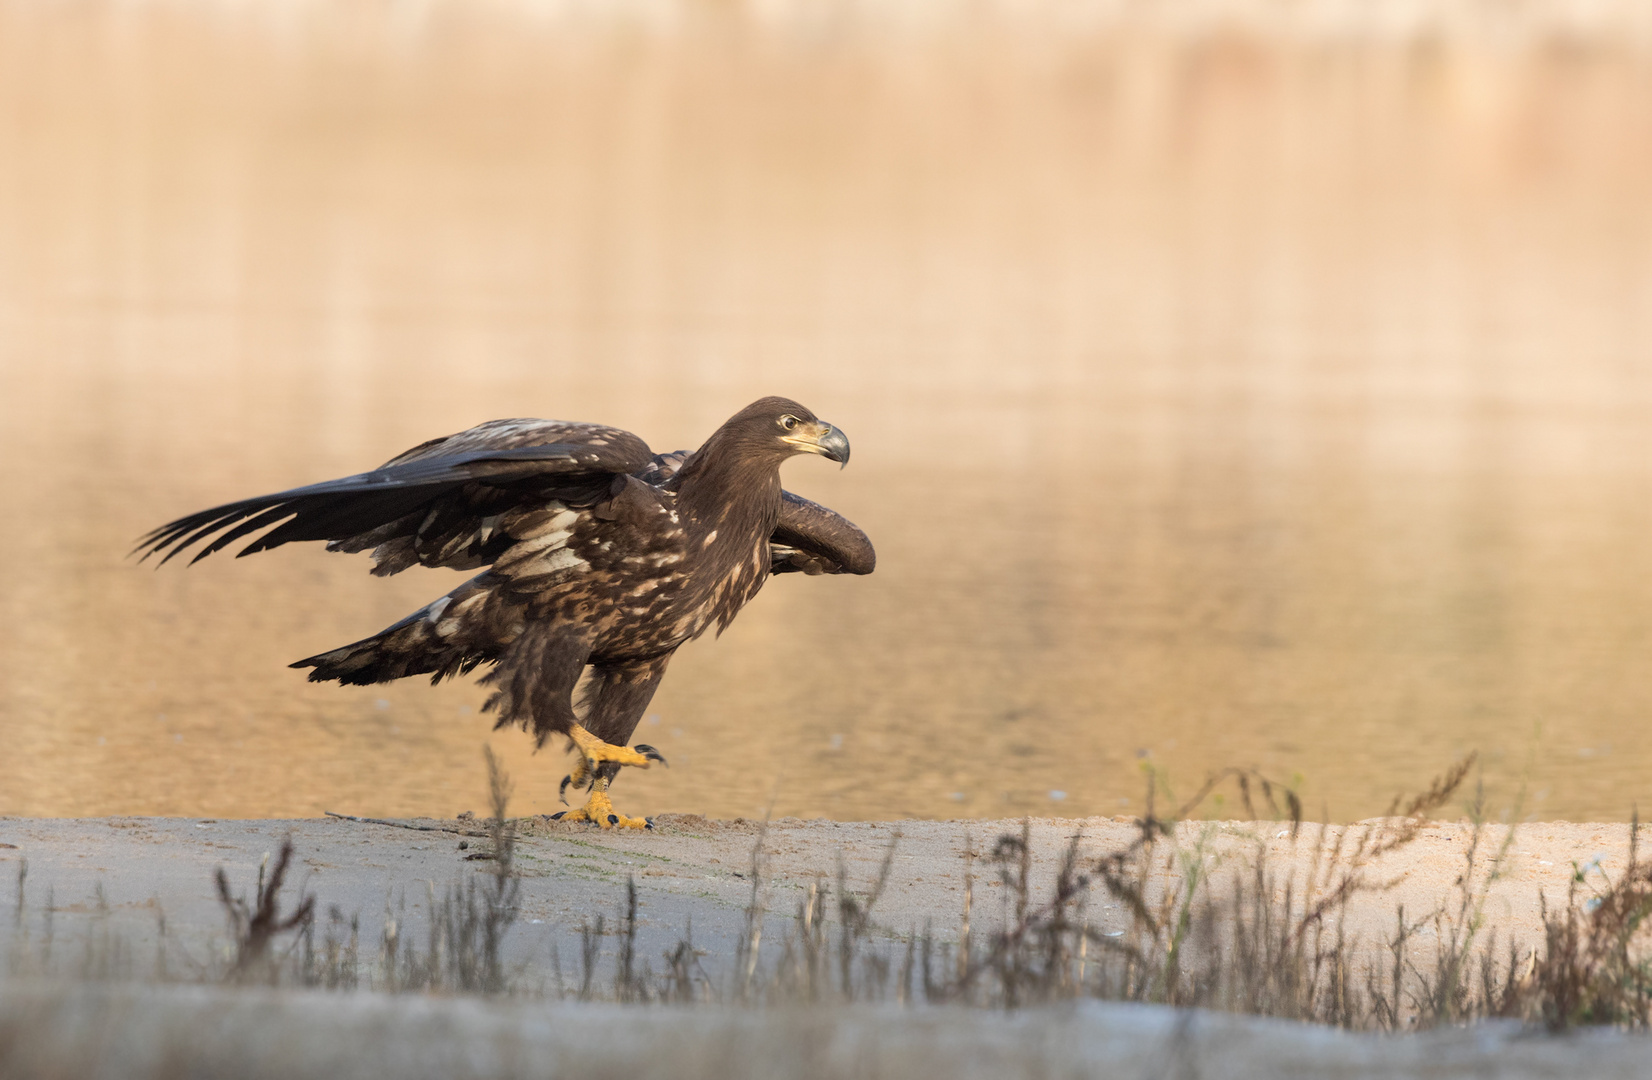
[
  {"x": 563, "y": 559},
  {"x": 554, "y": 518},
  {"x": 527, "y": 549}
]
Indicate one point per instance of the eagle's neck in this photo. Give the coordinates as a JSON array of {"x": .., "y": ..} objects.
[
  {"x": 729, "y": 504},
  {"x": 735, "y": 494}
]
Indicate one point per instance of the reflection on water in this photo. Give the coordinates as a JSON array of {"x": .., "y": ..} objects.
[{"x": 1214, "y": 401}]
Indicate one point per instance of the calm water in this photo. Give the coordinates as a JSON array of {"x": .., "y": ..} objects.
[{"x": 1223, "y": 403}]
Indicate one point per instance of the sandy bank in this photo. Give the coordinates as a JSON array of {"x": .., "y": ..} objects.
[
  {"x": 124, "y": 873},
  {"x": 104, "y": 909}
]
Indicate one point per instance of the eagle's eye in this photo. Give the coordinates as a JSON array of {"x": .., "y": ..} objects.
[{"x": 788, "y": 422}]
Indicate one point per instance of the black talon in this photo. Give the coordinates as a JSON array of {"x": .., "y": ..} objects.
[
  {"x": 558, "y": 815},
  {"x": 562, "y": 792},
  {"x": 651, "y": 754},
  {"x": 613, "y": 819},
  {"x": 648, "y": 823}
]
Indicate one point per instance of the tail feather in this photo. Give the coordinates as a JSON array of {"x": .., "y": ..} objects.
[
  {"x": 434, "y": 641},
  {"x": 394, "y": 653}
]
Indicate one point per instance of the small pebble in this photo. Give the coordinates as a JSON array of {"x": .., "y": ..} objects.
[{"x": 463, "y": 844}]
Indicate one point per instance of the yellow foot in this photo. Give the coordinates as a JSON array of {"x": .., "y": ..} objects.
[
  {"x": 593, "y": 752},
  {"x": 600, "y": 811}
]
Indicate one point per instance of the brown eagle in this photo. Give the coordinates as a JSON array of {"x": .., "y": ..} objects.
[{"x": 601, "y": 559}]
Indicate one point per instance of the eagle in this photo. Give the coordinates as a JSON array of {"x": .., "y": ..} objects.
[{"x": 598, "y": 559}]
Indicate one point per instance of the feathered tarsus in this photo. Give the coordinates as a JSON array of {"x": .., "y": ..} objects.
[{"x": 596, "y": 555}]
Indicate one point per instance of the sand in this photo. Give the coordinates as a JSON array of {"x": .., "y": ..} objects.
[
  {"x": 692, "y": 867},
  {"x": 114, "y": 879}
]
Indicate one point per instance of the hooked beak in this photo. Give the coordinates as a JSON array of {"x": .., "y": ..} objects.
[{"x": 828, "y": 443}]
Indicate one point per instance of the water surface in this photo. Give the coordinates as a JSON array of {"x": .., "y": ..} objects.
[{"x": 1215, "y": 400}]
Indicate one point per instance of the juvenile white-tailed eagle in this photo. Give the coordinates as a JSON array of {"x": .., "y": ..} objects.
[{"x": 598, "y": 555}]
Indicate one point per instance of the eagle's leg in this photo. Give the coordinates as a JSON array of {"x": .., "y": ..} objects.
[
  {"x": 594, "y": 751},
  {"x": 615, "y": 698},
  {"x": 599, "y": 758},
  {"x": 599, "y": 810}
]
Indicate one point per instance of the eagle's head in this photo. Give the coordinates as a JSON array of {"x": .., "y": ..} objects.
[{"x": 778, "y": 428}]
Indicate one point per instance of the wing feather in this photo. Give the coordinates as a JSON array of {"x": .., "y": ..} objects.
[
  {"x": 815, "y": 540},
  {"x": 460, "y": 479}
]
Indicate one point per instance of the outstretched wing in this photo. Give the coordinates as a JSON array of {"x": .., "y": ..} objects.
[
  {"x": 815, "y": 540},
  {"x": 810, "y": 539},
  {"x": 436, "y": 504}
]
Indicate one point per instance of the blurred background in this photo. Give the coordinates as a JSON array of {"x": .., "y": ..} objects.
[{"x": 1263, "y": 382}]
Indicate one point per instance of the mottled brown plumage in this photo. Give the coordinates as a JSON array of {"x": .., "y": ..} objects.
[{"x": 601, "y": 558}]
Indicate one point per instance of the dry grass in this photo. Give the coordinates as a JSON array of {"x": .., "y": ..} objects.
[
  {"x": 469, "y": 923},
  {"x": 1590, "y": 971},
  {"x": 254, "y": 927},
  {"x": 1256, "y": 934},
  {"x": 1245, "y": 931}
]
